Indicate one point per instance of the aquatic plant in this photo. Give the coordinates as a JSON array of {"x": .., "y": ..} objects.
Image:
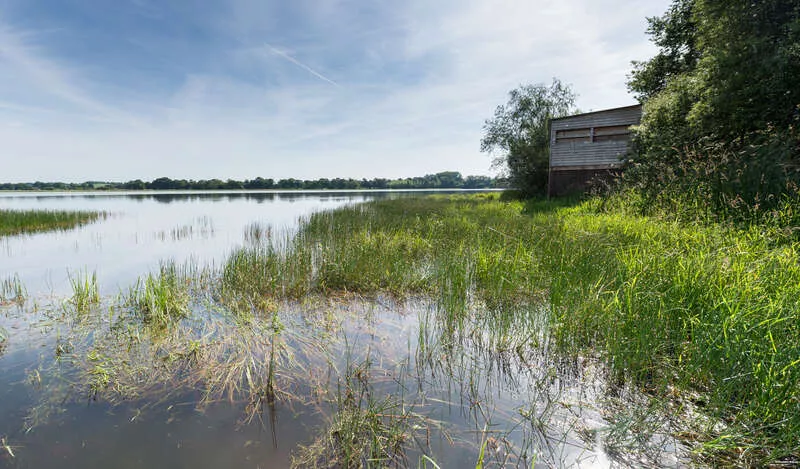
[
  {"x": 160, "y": 299},
  {"x": 679, "y": 309},
  {"x": 14, "y": 222},
  {"x": 85, "y": 292},
  {"x": 366, "y": 428},
  {"x": 12, "y": 290},
  {"x": 3, "y": 338}
]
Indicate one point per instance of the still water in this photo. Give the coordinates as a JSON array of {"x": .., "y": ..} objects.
[
  {"x": 144, "y": 229},
  {"x": 167, "y": 405}
]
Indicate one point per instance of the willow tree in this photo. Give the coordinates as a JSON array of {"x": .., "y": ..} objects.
[{"x": 518, "y": 134}]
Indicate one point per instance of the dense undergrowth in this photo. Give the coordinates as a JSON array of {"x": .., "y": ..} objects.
[
  {"x": 697, "y": 312},
  {"x": 13, "y": 222}
]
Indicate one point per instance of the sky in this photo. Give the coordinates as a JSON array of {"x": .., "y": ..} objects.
[{"x": 138, "y": 89}]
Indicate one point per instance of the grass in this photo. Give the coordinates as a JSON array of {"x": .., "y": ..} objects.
[
  {"x": 706, "y": 313},
  {"x": 366, "y": 428},
  {"x": 14, "y": 222},
  {"x": 702, "y": 317},
  {"x": 3, "y": 339},
  {"x": 160, "y": 299},
  {"x": 85, "y": 292},
  {"x": 12, "y": 290}
]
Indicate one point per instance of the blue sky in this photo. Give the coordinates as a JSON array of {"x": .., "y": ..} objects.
[{"x": 126, "y": 89}]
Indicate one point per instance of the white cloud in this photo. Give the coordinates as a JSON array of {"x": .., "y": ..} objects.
[
  {"x": 28, "y": 71},
  {"x": 416, "y": 80}
]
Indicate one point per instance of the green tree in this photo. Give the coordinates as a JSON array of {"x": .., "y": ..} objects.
[
  {"x": 721, "y": 105},
  {"x": 519, "y": 137},
  {"x": 675, "y": 35}
]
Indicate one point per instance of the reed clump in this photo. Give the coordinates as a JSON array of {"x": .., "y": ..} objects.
[
  {"x": 160, "y": 299},
  {"x": 3, "y": 339},
  {"x": 85, "y": 292},
  {"x": 12, "y": 291},
  {"x": 14, "y": 222},
  {"x": 365, "y": 429}
]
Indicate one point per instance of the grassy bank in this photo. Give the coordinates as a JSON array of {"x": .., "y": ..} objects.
[
  {"x": 13, "y": 222},
  {"x": 696, "y": 313}
]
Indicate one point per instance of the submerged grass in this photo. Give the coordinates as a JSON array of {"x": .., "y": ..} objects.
[
  {"x": 13, "y": 222},
  {"x": 704, "y": 313},
  {"x": 12, "y": 291},
  {"x": 3, "y": 339},
  {"x": 366, "y": 428}
]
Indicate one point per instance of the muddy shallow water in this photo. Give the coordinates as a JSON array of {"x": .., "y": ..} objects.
[{"x": 91, "y": 389}]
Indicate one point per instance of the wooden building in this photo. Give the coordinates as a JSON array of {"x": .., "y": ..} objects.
[{"x": 588, "y": 146}]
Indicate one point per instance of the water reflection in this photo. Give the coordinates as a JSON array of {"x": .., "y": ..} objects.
[
  {"x": 96, "y": 386},
  {"x": 146, "y": 228},
  {"x": 224, "y": 390}
]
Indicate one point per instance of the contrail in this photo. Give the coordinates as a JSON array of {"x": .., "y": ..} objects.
[{"x": 301, "y": 65}]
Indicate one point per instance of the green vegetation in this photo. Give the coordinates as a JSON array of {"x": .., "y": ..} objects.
[
  {"x": 701, "y": 313},
  {"x": 13, "y": 222},
  {"x": 443, "y": 180},
  {"x": 719, "y": 138},
  {"x": 366, "y": 429},
  {"x": 3, "y": 339},
  {"x": 160, "y": 299},
  {"x": 12, "y": 291},
  {"x": 85, "y": 292},
  {"x": 520, "y": 132}
]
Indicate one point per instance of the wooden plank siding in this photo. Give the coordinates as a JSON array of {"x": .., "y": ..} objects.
[{"x": 588, "y": 143}]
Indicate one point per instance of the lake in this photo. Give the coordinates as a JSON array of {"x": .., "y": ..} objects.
[{"x": 87, "y": 388}]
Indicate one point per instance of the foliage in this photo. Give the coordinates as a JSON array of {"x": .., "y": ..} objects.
[
  {"x": 442, "y": 180},
  {"x": 722, "y": 108},
  {"x": 519, "y": 133},
  {"x": 674, "y": 34}
]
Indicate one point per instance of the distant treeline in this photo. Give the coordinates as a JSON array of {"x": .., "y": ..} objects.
[{"x": 443, "y": 180}]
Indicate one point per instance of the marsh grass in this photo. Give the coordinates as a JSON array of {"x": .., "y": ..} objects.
[
  {"x": 13, "y": 222},
  {"x": 3, "y": 339},
  {"x": 702, "y": 318},
  {"x": 13, "y": 291},
  {"x": 160, "y": 299},
  {"x": 85, "y": 292},
  {"x": 679, "y": 309}
]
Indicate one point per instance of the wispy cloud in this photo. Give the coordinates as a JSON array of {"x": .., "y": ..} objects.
[
  {"x": 305, "y": 67},
  {"x": 213, "y": 95},
  {"x": 34, "y": 73}
]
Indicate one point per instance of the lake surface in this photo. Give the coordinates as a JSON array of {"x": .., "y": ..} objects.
[
  {"x": 146, "y": 228},
  {"x": 452, "y": 397}
]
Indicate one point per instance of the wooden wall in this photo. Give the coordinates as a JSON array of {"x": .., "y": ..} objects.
[{"x": 587, "y": 143}]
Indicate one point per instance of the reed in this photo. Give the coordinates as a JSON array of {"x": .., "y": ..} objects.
[
  {"x": 12, "y": 291},
  {"x": 14, "y": 222},
  {"x": 85, "y": 292},
  {"x": 689, "y": 309},
  {"x": 160, "y": 299},
  {"x": 366, "y": 428},
  {"x": 3, "y": 339}
]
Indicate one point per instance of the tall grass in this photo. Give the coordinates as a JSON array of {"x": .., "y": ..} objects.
[
  {"x": 14, "y": 222},
  {"x": 367, "y": 428},
  {"x": 703, "y": 312},
  {"x": 85, "y": 292},
  {"x": 160, "y": 299},
  {"x": 12, "y": 290}
]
